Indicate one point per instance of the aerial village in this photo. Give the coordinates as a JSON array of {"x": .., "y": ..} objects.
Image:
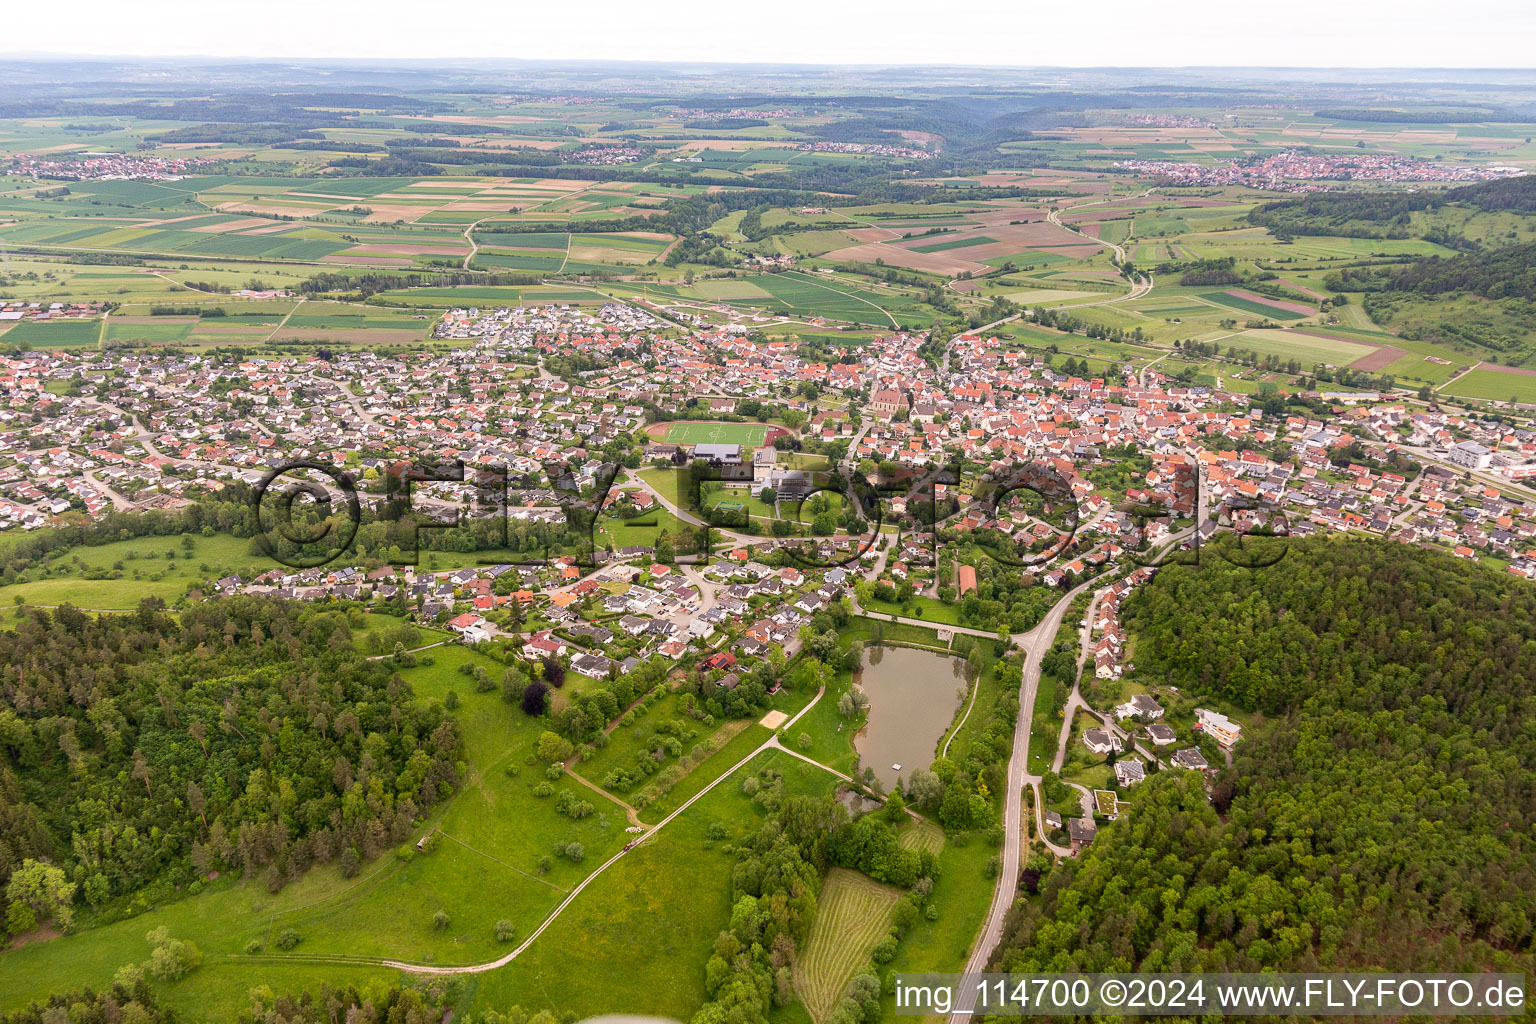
[{"x": 88, "y": 432}]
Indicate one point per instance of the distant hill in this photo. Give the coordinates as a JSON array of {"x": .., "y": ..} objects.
[
  {"x": 1506, "y": 272},
  {"x": 1425, "y": 116},
  {"x": 1389, "y": 214},
  {"x": 1517, "y": 194}
]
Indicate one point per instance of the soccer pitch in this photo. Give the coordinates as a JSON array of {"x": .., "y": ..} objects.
[{"x": 752, "y": 434}]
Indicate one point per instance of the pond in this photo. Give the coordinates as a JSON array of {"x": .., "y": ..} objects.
[{"x": 912, "y": 699}]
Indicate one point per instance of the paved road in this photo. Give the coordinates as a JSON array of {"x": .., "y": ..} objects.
[
  {"x": 1054, "y": 216},
  {"x": 118, "y": 501},
  {"x": 1035, "y": 644}
]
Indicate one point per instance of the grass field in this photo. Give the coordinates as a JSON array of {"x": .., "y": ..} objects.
[
  {"x": 54, "y": 334},
  {"x": 1304, "y": 347},
  {"x": 753, "y": 434},
  {"x": 638, "y": 937},
  {"x": 1493, "y": 386},
  {"x": 853, "y": 913},
  {"x": 1249, "y": 306},
  {"x": 142, "y": 567}
]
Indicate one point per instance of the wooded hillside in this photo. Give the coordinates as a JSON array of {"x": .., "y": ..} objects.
[
  {"x": 1380, "y": 816},
  {"x": 138, "y": 752}
]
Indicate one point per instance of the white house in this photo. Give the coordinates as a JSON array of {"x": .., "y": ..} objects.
[
  {"x": 1218, "y": 726},
  {"x": 1130, "y": 771},
  {"x": 1102, "y": 741},
  {"x": 1142, "y": 704}
]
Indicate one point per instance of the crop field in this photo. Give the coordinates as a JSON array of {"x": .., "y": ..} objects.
[
  {"x": 1295, "y": 345},
  {"x": 1494, "y": 386},
  {"x": 796, "y": 294},
  {"x": 1251, "y": 306},
  {"x": 500, "y": 295},
  {"x": 55, "y": 333},
  {"x": 853, "y": 912},
  {"x": 159, "y": 331},
  {"x": 728, "y": 290},
  {"x": 958, "y": 243}
]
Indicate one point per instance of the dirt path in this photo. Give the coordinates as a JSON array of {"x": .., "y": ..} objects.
[
  {"x": 629, "y": 812},
  {"x": 284, "y": 322},
  {"x": 415, "y": 968}
]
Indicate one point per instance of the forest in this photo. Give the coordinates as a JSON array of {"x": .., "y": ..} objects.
[
  {"x": 1380, "y": 814},
  {"x": 1388, "y": 214},
  {"x": 139, "y": 752}
]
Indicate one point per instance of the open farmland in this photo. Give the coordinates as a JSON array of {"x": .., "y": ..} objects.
[
  {"x": 852, "y": 914},
  {"x": 54, "y": 334},
  {"x": 1307, "y": 347},
  {"x": 1494, "y": 385},
  {"x": 1248, "y": 305},
  {"x": 533, "y": 755}
]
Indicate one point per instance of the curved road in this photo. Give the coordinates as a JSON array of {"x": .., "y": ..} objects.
[
  {"x": 771, "y": 743},
  {"x": 1035, "y": 644}
]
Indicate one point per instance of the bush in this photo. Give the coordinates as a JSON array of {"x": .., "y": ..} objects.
[
  {"x": 504, "y": 931},
  {"x": 440, "y": 920},
  {"x": 287, "y": 939}
]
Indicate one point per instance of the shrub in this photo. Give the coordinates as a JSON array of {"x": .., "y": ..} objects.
[{"x": 287, "y": 939}]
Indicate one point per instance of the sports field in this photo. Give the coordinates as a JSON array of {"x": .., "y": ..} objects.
[{"x": 752, "y": 434}]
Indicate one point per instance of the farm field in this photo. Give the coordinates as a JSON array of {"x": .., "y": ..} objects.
[
  {"x": 1246, "y": 305},
  {"x": 853, "y": 913},
  {"x": 1296, "y": 345},
  {"x": 53, "y": 334},
  {"x": 1493, "y": 386}
]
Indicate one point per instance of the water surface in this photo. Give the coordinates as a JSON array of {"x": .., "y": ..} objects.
[{"x": 912, "y": 699}]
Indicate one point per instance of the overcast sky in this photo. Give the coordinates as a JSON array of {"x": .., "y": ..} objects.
[{"x": 1309, "y": 33}]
